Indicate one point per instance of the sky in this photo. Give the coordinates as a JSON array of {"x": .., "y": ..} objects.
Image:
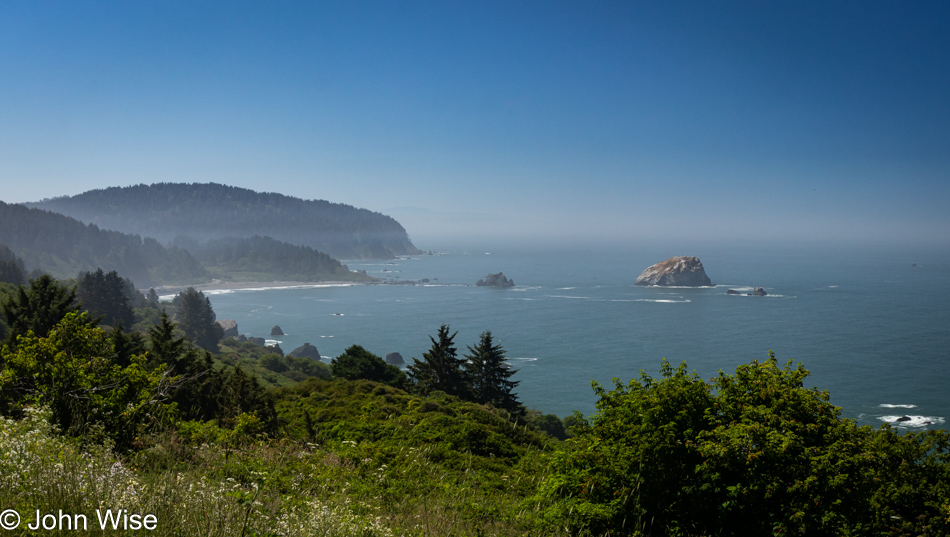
[{"x": 541, "y": 121}]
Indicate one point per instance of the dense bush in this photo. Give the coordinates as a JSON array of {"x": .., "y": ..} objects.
[{"x": 753, "y": 453}]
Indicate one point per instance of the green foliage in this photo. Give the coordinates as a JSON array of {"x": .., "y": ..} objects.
[
  {"x": 104, "y": 295},
  {"x": 63, "y": 246},
  {"x": 12, "y": 268},
  {"x": 488, "y": 377},
  {"x": 204, "y": 392},
  {"x": 72, "y": 370},
  {"x": 268, "y": 366},
  {"x": 752, "y": 453},
  {"x": 440, "y": 368},
  {"x": 358, "y": 363},
  {"x": 258, "y": 258},
  {"x": 37, "y": 309},
  {"x": 194, "y": 315}
]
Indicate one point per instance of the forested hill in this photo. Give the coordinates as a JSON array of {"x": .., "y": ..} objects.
[
  {"x": 64, "y": 246},
  {"x": 167, "y": 211}
]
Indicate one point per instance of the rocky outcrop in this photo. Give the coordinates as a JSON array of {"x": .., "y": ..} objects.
[
  {"x": 229, "y": 326},
  {"x": 683, "y": 271},
  {"x": 758, "y": 291},
  {"x": 257, "y": 341},
  {"x": 495, "y": 280},
  {"x": 305, "y": 351},
  {"x": 276, "y": 331},
  {"x": 394, "y": 358}
]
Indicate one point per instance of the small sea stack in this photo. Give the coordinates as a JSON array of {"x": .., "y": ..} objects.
[
  {"x": 682, "y": 271},
  {"x": 395, "y": 358},
  {"x": 276, "y": 331},
  {"x": 495, "y": 280}
]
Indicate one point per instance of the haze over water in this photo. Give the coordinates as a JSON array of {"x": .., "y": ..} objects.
[{"x": 869, "y": 326}]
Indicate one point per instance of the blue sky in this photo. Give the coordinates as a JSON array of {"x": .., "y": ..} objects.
[{"x": 537, "y": 120}]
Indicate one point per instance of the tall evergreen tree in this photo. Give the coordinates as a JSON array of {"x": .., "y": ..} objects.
[
  {"x": 38, "y": 308},
  {"x": 489, "y": 377},
  {"x": 105, "y": 295},
  {"x": 196, "y": 318},
  {"x": 440, "y": 368}
]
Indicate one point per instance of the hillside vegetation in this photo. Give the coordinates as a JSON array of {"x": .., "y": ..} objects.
[
  {"x": 45, "y": 242},
  {"x": 63, "y": 247},
  {"x": 149, "y": 422},
  {"x": 167, "y": 211}
]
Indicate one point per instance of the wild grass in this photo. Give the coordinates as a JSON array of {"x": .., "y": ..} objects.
[{"x": 215, "y": 484}]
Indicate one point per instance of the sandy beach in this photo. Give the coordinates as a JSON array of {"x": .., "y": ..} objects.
[{"x": 220, "y": 286}]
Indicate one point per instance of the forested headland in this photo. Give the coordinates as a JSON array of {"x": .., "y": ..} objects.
[
  {"x": 59, "y": 245},
  {"x": 201, "y": 212},
  {"x": 110, "y": 398}
]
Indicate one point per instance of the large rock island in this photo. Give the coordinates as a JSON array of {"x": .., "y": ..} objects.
[{"x": 683, "y": 271}]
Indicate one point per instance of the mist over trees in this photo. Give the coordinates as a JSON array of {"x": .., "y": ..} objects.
[
  {"x": 12, "y": 268},
  {"x": 63, "y": 246},
  {"x": 264, "y": 257},
  {"x": 166, "y": 211}
]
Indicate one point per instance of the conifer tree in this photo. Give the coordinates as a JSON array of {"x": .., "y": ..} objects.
[
  {"x": 440, "y": 368},
  {"x": 105, "y": 295},
  {"x": 488, "y": 376},
  {"x": 39, "y": 308},
  {"x": 196, "y": 318}
]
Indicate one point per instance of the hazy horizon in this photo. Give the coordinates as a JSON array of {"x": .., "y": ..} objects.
[{"x": 496, "y": 123}]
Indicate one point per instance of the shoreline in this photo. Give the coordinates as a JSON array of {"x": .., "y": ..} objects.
[{"x": 218, "y": 286}]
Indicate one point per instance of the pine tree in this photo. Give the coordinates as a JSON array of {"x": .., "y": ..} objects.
[
  {"x": 488, "y": 375},
  {"x": 196, "y": 318},
  {"x": 440, "y": 368},
  {"x": 104, "y": 295},
  {"x": 39, "y": 308}
]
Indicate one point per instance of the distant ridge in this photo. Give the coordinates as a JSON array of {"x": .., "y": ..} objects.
[
  {"x": 63, "y": 246},
  {"x": 205, "y": 211}
]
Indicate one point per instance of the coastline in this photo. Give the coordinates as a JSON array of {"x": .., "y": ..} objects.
[{"x": 221, "y": 286}]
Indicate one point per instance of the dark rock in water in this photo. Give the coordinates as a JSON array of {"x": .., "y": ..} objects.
[
  {"x": 230, "y": 327},
  {"x": 683, "y": 271},
  {"x": 758, "y": 291},
  {"x": 495, "y": 280},
  {"x": 305, "y": 351},
  {"x": 276, "y": 331},
  {"x": 257, "y": 341},
  {"x": 394, "y": 358},
  {"x": 733, "y": 292},
  {"x": 903, "y": 418}
]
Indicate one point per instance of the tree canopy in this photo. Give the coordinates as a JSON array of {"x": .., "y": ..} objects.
[
  {"x": 440, "y": 368},
  {"x": 358, "y": 363},
  {"x": 38, "y": 308},
  {"x": 488, "y": 376},
  {"x": 195, "y": 316},
  {"x": 753, "y": 453}
]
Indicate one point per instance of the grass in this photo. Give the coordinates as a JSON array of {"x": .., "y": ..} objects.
[{"x": 206, "y": 481}]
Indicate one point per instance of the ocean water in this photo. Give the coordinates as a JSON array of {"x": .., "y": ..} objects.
[{"x": 871, "y": 328}]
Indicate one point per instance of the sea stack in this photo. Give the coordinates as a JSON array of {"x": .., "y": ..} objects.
[
  {"x": 683, "y": 271},
  {"x": 495, "y": 280}
]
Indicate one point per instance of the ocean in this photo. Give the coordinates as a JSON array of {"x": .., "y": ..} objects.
[{"x": 872, "y": 325}]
